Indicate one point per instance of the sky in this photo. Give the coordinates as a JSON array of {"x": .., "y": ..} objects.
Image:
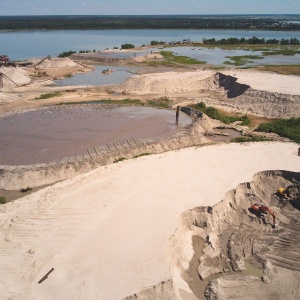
[{"x": 147, "y": 7}]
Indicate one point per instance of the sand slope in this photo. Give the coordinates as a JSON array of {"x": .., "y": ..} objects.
[{"x": 104, "y": 232}]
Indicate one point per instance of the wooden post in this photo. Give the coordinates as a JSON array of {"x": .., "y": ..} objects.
[
  {"x": 177, "y": 115},
  {"x": 46, "y": 276},
  {"x": 298, "y": 151}
]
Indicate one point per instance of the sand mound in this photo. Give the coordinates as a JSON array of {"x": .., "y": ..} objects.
[
  {"x": 224, "y": 90},
  {"x": 179, "y": 82},
  {"x": 58, "y": 63},
  {"x": 160, "y": 83},
  {"x": 233, "y": 241},
  {"x": 18, "y": 75}
]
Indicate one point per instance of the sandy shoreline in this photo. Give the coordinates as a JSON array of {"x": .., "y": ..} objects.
[{"x": 79, "y": 227}]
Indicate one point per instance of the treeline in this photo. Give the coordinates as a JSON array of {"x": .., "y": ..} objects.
[
  {"x": 69, "y": 53},
  {"x": 149, "y": 22},
  {"x": 252, "y": 41}
]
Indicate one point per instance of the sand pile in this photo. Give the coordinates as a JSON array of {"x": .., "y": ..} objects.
[
  {"x": 14, "y": 77},
  {"x": 225, "y": 90},
  {"x": 232, "y": 240},
  {"x": 127, "y": 212},
  {"x": 161, "y": 83},
  {"x": 58, "y": 63},
  {"x": 179, "y": 82}
]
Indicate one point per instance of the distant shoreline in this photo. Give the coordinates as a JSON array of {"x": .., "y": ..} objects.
[{"x": 280, "y": 22}]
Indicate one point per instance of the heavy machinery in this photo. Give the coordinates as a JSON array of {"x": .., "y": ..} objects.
[
  {"x": 291, "y": 191},
  {"x": 4, "y": 60},
  {"x": 262, "y": 210}
]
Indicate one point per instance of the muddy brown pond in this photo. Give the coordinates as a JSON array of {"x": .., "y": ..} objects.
[{"x": 50, "y": 134}]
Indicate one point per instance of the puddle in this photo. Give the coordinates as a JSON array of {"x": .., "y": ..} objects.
[
  {"x": 253, "y": 270},
  {"x": 97, "y": 77},
  {"x": 224, "y": 134}
]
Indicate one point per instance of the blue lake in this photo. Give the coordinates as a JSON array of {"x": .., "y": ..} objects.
[{"x": 20, "y": 45}]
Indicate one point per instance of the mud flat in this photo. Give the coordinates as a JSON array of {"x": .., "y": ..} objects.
[
  {"x": 106, "y": 232},
  {"x": 49, "y": 134}
]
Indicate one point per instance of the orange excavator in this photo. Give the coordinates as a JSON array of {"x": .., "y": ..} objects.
[{"x": 262, "y": 209}]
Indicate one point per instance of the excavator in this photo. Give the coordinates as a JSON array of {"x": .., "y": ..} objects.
[{"x": 262, "y": 209}]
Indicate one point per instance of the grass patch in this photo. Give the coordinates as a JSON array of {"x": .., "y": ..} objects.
[
  {"x": 252, "y": 47},
  {"x": 217, "y": 115},
  {"x": 48, "y": 96},
  {"x": 288, "y": 52},
  {"x": 171, "y": 57},
  {"x": 251, "y": 139},
  {"x": 161, "y": 102},
  {"x": 241, "y": 59},
  {"x": 216, "y": 68},
  {"x": 286, "y": 128},
  {"x": 281, "y": 69},
  {"x": 142, "y": 154},
  {"x": 119, "y": 159},
  {"x": 2, "y": 200},
  {"x": 68, "y": 76},
  {"x": 25, "y": 190}
]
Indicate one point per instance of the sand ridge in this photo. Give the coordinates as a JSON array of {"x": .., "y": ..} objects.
[{"x": 52, "y": 228}]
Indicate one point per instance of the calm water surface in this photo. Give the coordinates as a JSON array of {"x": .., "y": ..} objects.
[
  {"x": 20, "y": 45},
  {"x": 96, "y": 77}
]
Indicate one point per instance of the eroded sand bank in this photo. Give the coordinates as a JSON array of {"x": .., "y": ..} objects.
[{"x": 105, "y": 232}]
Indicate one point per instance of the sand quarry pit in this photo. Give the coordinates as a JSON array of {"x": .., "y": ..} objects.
[
  {"x": 110, "y": 233},
  {"x": 152, "y": 227},
  {"x": 49, "y": 134},
  {"x": 229, "y": 251}
]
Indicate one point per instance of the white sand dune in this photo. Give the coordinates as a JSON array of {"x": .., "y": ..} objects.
[
  {"x": 173, "y": 82},
  {"x": 266, "y": 81},
  {"x": 105, "y": 232}
]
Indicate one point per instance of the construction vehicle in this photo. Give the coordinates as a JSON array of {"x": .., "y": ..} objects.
[
  {"x": 262, "y": 209},
  {"x": 5, "y": 61},
  {"x": 290, "y": 192},
  {"x": 283, "y": 192}
]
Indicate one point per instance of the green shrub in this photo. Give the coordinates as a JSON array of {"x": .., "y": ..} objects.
[
  {"x": 287, "y": 128},
  {"x": 215, "y": 114},
  {"x": 66, "y": 53},
  {"x": 127, "y": 46},
  {"x": 119, "y": 159},
  {"x": 26, "y": 190},
  {"x": 2, "y": 200},
  {"x": 251, "y": 139},
  {"x": 161, "y": 104},
  {"x": 48, "y": 96},
  {"x": 142, "y": 154}
]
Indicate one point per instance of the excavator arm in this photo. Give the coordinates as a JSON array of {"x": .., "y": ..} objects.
[{"x": 262, "y": 209}]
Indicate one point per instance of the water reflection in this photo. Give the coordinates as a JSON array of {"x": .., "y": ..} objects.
[
  {"x": 97, "y": 77},
  {"x": 217, "y": 56}
]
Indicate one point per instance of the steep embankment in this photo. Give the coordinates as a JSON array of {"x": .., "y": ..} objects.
[
  {"x": 242, "y": 97},
  {"x": 17, "y": 177},
  {"x": 233, "y": 241},
  {"x": 255, "y": 93}
]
